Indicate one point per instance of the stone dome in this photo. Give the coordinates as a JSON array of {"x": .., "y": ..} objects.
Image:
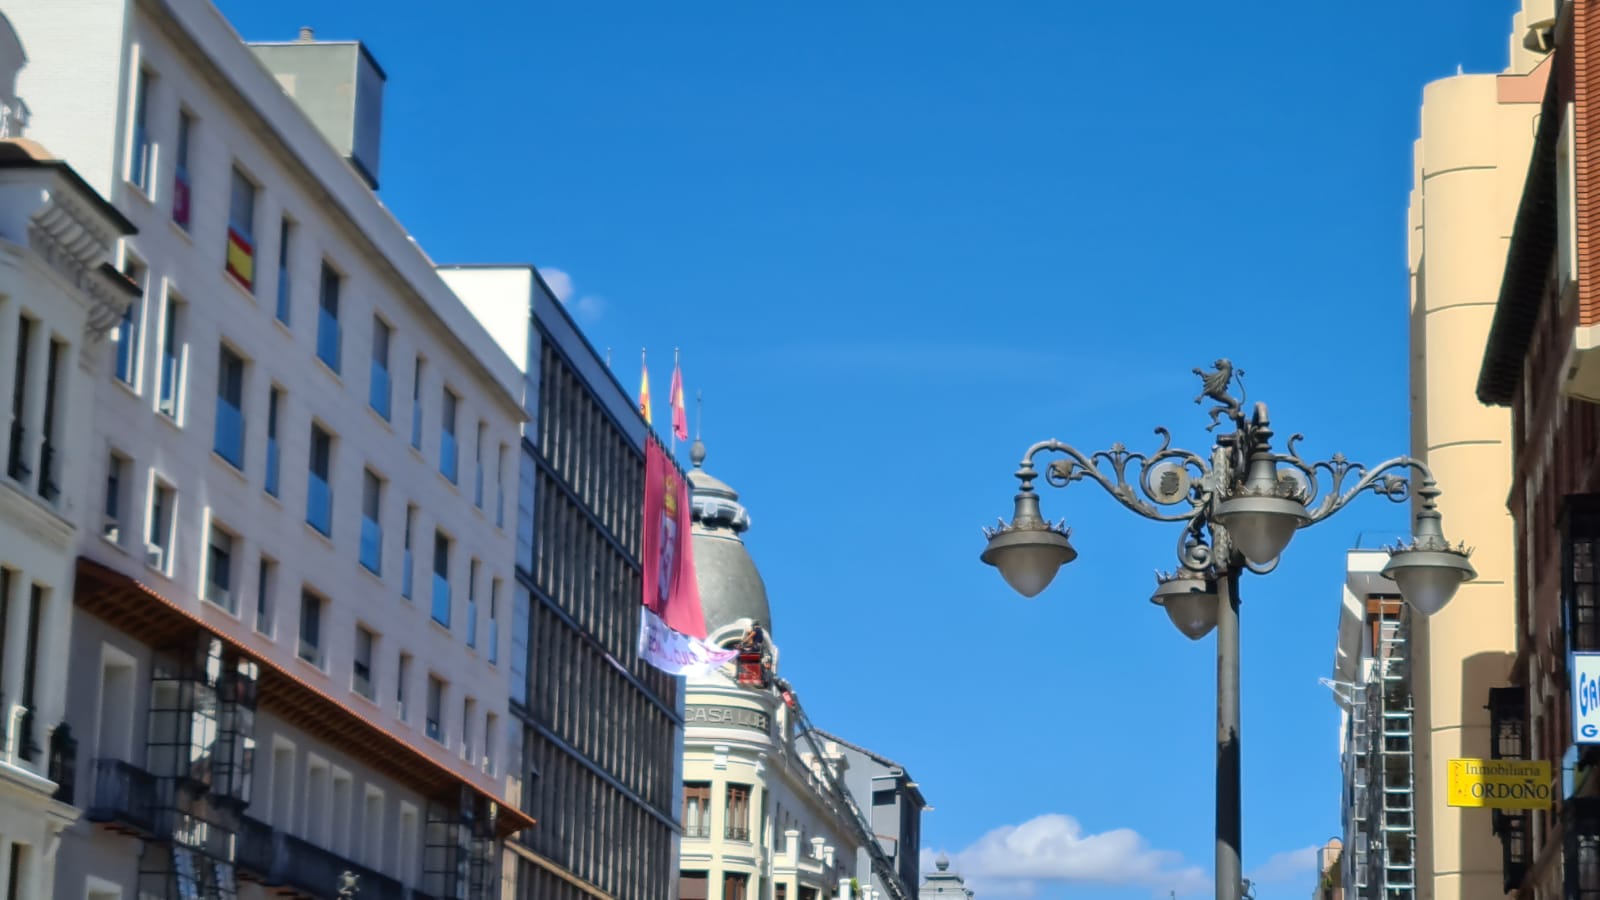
[{"x": 731, "y": 589}]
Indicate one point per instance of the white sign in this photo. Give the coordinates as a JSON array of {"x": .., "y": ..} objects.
[
  {"x": 677, "y": 654},
  {"x": 1585, "y": 669}
]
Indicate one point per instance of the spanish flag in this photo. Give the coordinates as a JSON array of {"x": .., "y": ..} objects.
[
  {"x": 644, "y": 390},
  {"x": 241, "y": 262}
]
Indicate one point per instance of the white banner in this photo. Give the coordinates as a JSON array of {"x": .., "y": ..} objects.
[{"x": 675, "y": 653}]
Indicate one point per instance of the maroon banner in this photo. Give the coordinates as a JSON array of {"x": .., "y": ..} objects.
[{"x": 670, "y": 589}]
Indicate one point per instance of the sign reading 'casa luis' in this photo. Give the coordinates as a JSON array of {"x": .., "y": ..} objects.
[{"x": 728, "y": 716}]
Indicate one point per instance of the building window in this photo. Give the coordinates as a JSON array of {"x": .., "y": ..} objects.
[
  {"x": 447, "y": 436},
  {"x": 696, "y": 809},
  {"x": 127, "y": 331},
  {"x": 435, "y": 723},
  {"x": 328, "y": 318},
  {"x": 172, "y": 355},
  {"x": 520, "y": 614},
  {"x": 494, "y": 621},
  {"x": 477, "y": 463},
  {"x": 371, "y": 530},
  {"x": 378, "y": 390},
  {"x": 491, "y": 731},
  {"x": 50, "y": 447},
  {"x": 319, "y": 494},
  {"x": 416, "y": 405},
  {"x": 500, "y": 488},
  {"x": 274, "y": 405},
  {"x": 241, "y": 250},
  {"x": 361, "y": 675},
  {"x": 472, "y": 603},
  {"x": 266, "y": 593},
  {"x": 180, "y": 176},
  {"x": 1580, "y": 528},
  {"x": 1580, "y": 832},
  {"x": 736, "y": 814},
  {"x": 158, "y": 528},
  {"x": 17, "y": 459},
  {"x": 285, "y": 233},
  {"x": 1508, "y": 717},
  {"x": 142, "y": 151},
  {"x": 780, "y": 892},
  {"x": 441, "y": 579},
  {"x": 229, "y": 438},
  {"x": 219, "y": 568},
  {"x": 116, "y": 497},
  {"x": 409, "y": 563},
  {"x": 468, "y": 708},
  {"x": 735, "y": 885},
  {"x": 402, "y": 674},
  {"x": 311, "y": 628}
]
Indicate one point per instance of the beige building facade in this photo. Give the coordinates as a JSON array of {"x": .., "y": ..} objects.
[{"x": 1470, "y": 162}]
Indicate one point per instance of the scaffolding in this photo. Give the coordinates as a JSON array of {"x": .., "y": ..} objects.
[{"x": 1382, "y": 777}]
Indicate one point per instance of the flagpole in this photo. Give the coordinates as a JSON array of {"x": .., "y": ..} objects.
[{"x": 699, "y": 412}]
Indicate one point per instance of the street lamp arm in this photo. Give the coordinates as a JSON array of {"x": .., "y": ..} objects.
[
  {"x": 1382, "y": 479},
  {"x": 1161, "y": 484}
]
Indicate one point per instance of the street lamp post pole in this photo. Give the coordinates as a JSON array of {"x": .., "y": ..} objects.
[
  {"x": 1230, "y": 871},
  {"x": 1241, "y": 507}
]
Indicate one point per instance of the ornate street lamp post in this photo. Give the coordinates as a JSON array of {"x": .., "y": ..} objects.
[{"x": 1240, "y": 508}]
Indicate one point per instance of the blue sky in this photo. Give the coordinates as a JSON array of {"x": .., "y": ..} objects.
[{"x": 897, "y": 243}]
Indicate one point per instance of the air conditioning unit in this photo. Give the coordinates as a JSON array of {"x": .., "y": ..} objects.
[
  {"x": 111, "y": 530},
  {"x": 400, "y": 710},
  {"x": 487, "y": 765},
  {"x": 155, "y": 555}
]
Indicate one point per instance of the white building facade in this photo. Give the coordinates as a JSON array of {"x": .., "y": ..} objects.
[
  {"x": 288, "y": 664},
  {"x": 59, "y": 298},
  {"x": 1372, "y": 684},
  {"x": 759, "y": 823}
]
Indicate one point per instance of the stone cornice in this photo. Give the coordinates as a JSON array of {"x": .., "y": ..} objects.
[{"x": 75, "y": 241}]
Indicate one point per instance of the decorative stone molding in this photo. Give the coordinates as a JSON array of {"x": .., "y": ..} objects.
[{"x": 75, "y": 242}]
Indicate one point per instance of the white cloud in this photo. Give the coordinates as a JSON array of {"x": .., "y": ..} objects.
[
  {"x": 1289, "y": 866},
  {"x": 1053, "y": 849},
  {"x": 560, "y": 282},
  {"x": 585, "y": 306}
]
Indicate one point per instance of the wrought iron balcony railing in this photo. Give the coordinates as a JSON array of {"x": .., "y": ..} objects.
[
  {"x": 124, "y": 794},
  {"x": 277, "y": 859}
]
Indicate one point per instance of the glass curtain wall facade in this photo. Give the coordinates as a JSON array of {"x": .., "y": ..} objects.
[{"x": 600, "y": 727}]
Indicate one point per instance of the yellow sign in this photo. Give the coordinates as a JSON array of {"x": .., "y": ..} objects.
[{"x": 1499, "y": 783}]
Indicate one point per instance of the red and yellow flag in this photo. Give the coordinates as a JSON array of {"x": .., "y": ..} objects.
[
  {"x": 680, "y": 416},
  {"x": 644, "y": 392}
]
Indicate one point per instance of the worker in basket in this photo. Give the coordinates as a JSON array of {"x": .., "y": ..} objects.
[{"x": 753, "y": 656}]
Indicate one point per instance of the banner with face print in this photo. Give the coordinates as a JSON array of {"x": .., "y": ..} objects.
[{"x": 670, "y": 590}]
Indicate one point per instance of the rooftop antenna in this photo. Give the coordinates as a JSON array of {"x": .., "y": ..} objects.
[
  {"x": 608, "y": 357},
  {"x": 699, "y": 412}
]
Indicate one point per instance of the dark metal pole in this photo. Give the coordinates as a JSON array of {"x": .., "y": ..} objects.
[{"x": 1229, "y": 870}]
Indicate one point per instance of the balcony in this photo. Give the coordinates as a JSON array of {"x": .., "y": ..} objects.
[
  {"x": 328, "y": 338},
  {"x": 371, "y": 545},
  {"x": 378, "y": 390},
  {"x": 447, "y": 456},
  {"x": 16, "y": 458},
  {"x": 272, "y": 466},
  {"x": 228, "y": 439},
  {"x": 697, "y": 830},
  {"x": 441, "y": 600},
  {"x": 288, "y": 863},
  {"x": 319, "y": 504},
  {"x": 48, "y": 489},
  {"x": 125, "y": 797}
]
